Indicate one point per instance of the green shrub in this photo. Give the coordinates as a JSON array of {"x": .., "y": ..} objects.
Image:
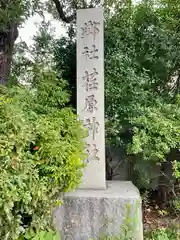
[
  {"x": 155, "y": 134},
  {"x": 163, "y": 234},
  {"x": 157, "y": 234},
  {"x": 175, "y": 206},
  {"x": 41, "y": 152},
  {"x": 42, "y": 235}
]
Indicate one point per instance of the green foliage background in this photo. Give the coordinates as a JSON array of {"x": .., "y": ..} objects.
[
  {"x": 41, "y": 153},
  {"x": 142, "y": 82}
]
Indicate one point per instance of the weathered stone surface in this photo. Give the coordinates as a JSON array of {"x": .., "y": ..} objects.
[
  {"x": 90, "y": 93},
  {"x": 91, "y": 213}
]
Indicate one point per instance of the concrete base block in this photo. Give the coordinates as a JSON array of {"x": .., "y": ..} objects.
[{"x": 90, "y": 214}]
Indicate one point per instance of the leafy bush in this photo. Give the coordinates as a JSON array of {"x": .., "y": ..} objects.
[
  {"x": 41, "y": 152},
  {"x": 157, "y": 234},
  {"x": 42, "y": 235},
  {"x": 163, "y": 234},
  {"x": 175, "y": 205},
  {"x": 155, "y": 133}
]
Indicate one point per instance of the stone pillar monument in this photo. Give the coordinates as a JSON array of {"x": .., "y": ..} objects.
[
  {"x": 90, "y": 92},
  {"x": 94, "y": 210}
]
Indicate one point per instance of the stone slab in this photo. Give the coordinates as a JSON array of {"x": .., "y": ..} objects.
[
  {"x": 89, "y": 214},
  {"x": 90, "y": 93}
]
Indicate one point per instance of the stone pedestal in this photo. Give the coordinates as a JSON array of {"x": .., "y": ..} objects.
[{"x": 90, "y": 214}]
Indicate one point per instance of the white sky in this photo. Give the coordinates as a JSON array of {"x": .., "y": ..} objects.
[{"x": 29, "y": 28}]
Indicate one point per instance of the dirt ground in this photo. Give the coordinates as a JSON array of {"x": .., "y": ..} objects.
[{"x": 154, "y": 218}]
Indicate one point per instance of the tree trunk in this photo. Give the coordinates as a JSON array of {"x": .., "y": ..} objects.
[
  {"x": 167, "y": 181},
  {"x": 7, "y": 39}
]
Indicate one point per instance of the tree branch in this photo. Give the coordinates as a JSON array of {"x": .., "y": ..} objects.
[
  {"x": 63, "y": 17},
  {"x": 178, "y": 84}
]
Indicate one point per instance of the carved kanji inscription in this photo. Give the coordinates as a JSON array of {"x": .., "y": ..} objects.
[
  {"x": 90, "y": 53},
  {"x": 90, "y": 80},
  {"x": 90, "y": 28},
  {"x": 92, "y": 125},
  {"x": 90, "y": 104}
]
